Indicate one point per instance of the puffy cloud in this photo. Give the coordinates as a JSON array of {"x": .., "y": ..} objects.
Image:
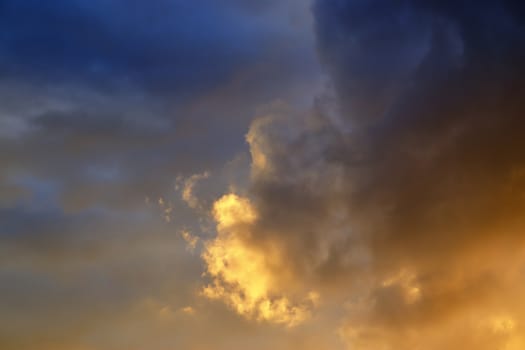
[
  {"x": 191, "y": 240},
  {"x": 241, "y": 274},
  {"x": 408, "y": 206},
  {"x": 188, "y": 186}
]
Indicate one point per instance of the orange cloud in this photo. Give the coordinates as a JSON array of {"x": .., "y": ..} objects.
[{"x": 241, "y": 276}]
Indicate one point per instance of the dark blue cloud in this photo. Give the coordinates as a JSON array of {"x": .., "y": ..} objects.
[
  {"x": 104, "y": 103},
  {"x": 378, "y": 50},
  {"x": 428, "y": 151},
  {"x": 148, "y": 89},
  {"x": 431, "y": 98}
]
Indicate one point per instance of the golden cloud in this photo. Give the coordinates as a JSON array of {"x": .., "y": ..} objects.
[{"x": 241, "y": 273}]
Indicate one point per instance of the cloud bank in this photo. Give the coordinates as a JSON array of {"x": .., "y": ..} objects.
[{"x": 406, "y": 204}]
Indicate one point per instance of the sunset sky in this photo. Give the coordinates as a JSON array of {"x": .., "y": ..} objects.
[{"x": 262, "y": 175}]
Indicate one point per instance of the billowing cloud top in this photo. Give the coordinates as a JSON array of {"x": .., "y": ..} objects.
[{"x": 346, "y": 174}]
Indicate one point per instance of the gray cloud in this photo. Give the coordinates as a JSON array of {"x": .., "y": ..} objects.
[
  {"x": 410, "y": 200},
  {"x": 101, "y": 106}
]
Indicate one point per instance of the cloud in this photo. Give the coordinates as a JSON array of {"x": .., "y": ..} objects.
[
  {"x": 102, "y": 105},
  {"x": 191, "y": 240},
  {"x": 97, "y": 81},
  {"x": 241, "y": 275},
  {"x": 389, "y": 214},
  {"x": 438, "y": 152},
  {"x": 408, "y": 205},
  {"x": 188, "y": 187}
]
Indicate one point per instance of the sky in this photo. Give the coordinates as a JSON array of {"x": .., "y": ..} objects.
[{"x": 277, "y": 174}]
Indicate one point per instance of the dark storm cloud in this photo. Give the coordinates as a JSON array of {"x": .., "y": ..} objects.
[
  {"x": 413, "y": 193},
  {"x": 429, "y": 159},
  {"x": 441, "y": 130},
  {"x": 381, "y": 52}
]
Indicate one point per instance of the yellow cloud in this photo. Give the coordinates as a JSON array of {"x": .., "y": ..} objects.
[
  {"x": 503, "y": 325},
  {"x": 231, "y": 210},
  {"x": 258, "y": 145},
  {"x": 188, "y": 310},
  {"x": 188, "y": 187},
  {"x": 191, "y": 240},
  {"x": 240, "y": 272},
  {"x": 407, "y": 281}
]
